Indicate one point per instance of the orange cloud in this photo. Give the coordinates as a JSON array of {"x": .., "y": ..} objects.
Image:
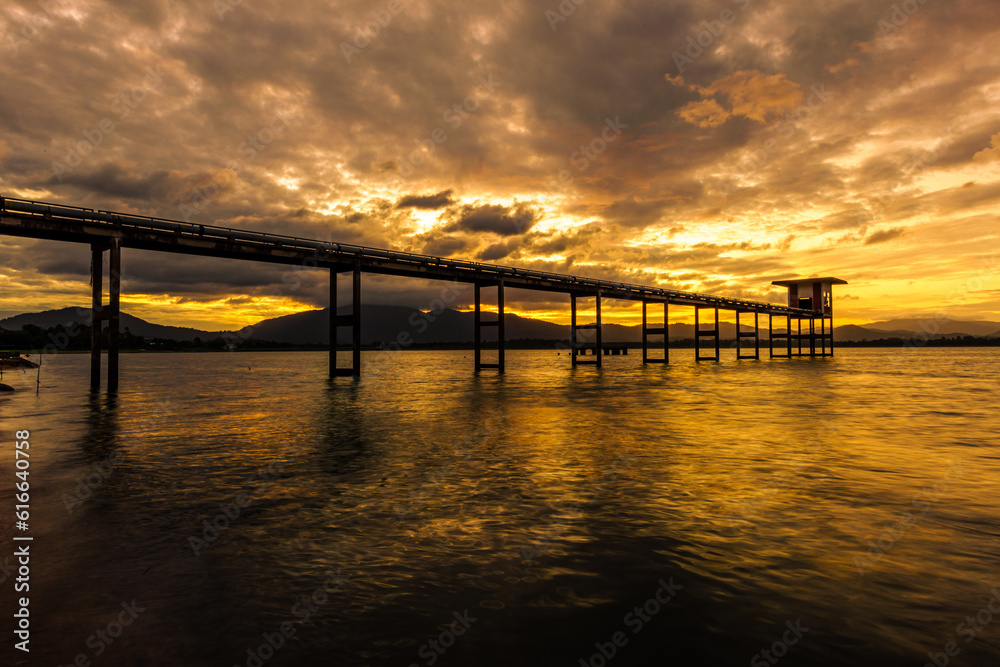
[
  {"x": 757, "y": 95},
  {"x": 704, "y": 113},
  {"x": 850, "y": 63},
  {"x": 749, "y": 93},
  {"x": 991, "y": 153}
]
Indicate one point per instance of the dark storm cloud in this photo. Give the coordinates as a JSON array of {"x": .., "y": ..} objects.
[
  {"x": 494, "y": 252},
  {"x": 444, "y": 245},
  {"x": 883, "y": 235},
  {"x": 118, "y": 181},
  {"x": 632, "y": 213},
  {"x": 427, "y": 202},
  {"x": 492, "y": 218}
]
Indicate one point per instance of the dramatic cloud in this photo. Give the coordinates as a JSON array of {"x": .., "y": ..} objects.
[
  {"x": 884, "y": 235},
  {"x": 492, "y": 218},
  {"x": 428, "y": 202},
  {"x": 708, "y": 145},
  {"x": 987, "y": 154},
  {"x": 749, "y": 94}
]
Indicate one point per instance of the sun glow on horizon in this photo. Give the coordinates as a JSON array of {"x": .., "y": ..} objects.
[{"x": 222, "y": 314}]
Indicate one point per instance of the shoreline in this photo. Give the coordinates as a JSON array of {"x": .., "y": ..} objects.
[{"x": 559, "y": 346}]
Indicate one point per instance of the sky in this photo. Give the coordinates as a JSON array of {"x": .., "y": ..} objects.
[{"x": 708, "y": 146}]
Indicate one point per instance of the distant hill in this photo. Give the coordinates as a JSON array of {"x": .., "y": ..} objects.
[
  {"x": 378, "y": 324},
  {"x": 69, "y": 316},
  {"x": 932, "y": 326},
  {"x": 384, "y": 324},
  {"x": 852, "y": 333}
]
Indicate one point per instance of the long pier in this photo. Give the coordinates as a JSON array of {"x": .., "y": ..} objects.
[{"x": 107, "y": 231}]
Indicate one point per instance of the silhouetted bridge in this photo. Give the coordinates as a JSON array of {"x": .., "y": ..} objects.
[{"x": 107, "y": 231}]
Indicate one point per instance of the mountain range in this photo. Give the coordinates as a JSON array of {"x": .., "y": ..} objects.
[{"x": 385, "y": 324}]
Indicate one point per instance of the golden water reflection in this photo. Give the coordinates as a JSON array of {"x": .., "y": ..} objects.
[{"x": 546, "y": 491}]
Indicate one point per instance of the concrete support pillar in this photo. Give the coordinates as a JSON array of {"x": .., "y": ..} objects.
[
  {"x": 498, "y": 323},
  {"x": 501, "y": 333},
  {"x": 333, "y": 322},
  {"x": 356, "y": 328},
  {"x": 755, "y": 334},
  {"x": 598, "y": 326},
  {"x": 654, "y": 331},
  {"x": 579, "y": 349},
  {"x": 700, "y": 333},
  {"x": 477, "y": 331},
  {"x": 96, "y": 322},
  {"x": 114, "y": 312},
  {"x": 353, "y": 320},
  {"x": 99, "y": 312}
]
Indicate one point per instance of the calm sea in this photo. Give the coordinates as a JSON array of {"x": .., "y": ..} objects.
[{"x": 239, "y": 509}]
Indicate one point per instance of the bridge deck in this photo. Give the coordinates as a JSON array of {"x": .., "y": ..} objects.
[{"x": 82, "y": 225}]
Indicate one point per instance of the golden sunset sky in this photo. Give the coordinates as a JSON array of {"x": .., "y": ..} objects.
[{"x": 703, "y": 146}]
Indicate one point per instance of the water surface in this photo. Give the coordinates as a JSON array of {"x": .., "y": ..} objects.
[{"x": 855, "y": 498}]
